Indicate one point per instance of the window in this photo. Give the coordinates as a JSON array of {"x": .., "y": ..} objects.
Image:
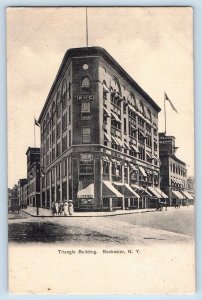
[
  {"x": 64, "y": 167},
  {"x": 85, "y": 110},
  {"x": 58, "y": 171},
  {"x": 70, "y": 114},
  {"x": 64, "y": 122},
  {"x": 52, "y": 175},
  {"x": 125, "y": 129},
  {"x": 125, "y": 172},
  {"x": 64, "y": 143},
  {"x": 53, "y": 154},
  {"x": 58, "y": 105},
  {"x": 141, "y": 153},
  {"x": 53, "y": 136},
  {"x": 70, "y": 138},
  {"x": 69, "y": 90},
  {"x": 58, "y": 128},
  {"x": 86, "y": 135},
  {"x": 58, "y": 149},
  {"x": 85, "y": 84},
  {"x": 64, "y": 94},
  {"x": 105, "y": 167},
  {"x": 70, "y": 165},
  {"x": 86, "y": 163},
  {"x": 149, "y": 140}
]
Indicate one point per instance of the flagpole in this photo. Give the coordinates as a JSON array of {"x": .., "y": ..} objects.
[
  {"x": 86, "y": 26},
  {"x": 165, "y": 110},
  {"x": 34, "y": 134}
]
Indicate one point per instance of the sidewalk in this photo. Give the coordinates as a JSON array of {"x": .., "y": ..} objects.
[{"x": 43, "y": 212}]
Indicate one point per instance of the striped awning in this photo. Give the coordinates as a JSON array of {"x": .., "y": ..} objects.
[
  {"x": 187, "y": 195},
  {"x": 109, "y": 191},
  {"x": 106, "y": 137},
  {"x": 177, "y": 195},
  {"x": 106, "y": 112},
  {"x": 114, "y": 116},
  {"x": 161, "y": 193},
  {"x": 134, "y": 148},
  {"x": 154, "y": 192},
  {"x": 142, "y": 170},
  {"x": 87, "y": 192}
]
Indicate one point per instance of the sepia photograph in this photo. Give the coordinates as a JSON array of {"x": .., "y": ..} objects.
[{"x": 100, "y": 122}]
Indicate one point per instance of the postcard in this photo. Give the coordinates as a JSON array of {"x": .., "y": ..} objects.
[{"x": 101, "y": 180}]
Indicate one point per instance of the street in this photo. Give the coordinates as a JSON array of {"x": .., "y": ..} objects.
[{"x": 169, "y": 226}]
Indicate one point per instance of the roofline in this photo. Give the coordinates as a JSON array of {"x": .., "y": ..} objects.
[
  {"x": 36, "y": 148},
  {"x": 174, "y": 157},
  {"x": 96, "y": 51}
]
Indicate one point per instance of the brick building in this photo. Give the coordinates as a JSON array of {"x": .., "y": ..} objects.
[
  {"x": 99, "y": 136},
  {"x": 22, "y": 192},
  {"x": 32, "y": 189},
  {"x": 173, "y": 171}
]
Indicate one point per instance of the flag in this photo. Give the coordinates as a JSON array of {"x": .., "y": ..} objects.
[
  {"x": 173, "y": 107},
  {"x": 36, "y": 122}
]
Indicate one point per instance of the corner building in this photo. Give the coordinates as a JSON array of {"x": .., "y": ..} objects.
[{"x": 99, "y": 136}]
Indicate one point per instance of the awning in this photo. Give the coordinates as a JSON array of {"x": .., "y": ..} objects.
[
  {"x": 115, "y": 117},
  {"x": 149, "y": 154},
  {"x": 154, "y": 192},
  {"x": 115, "y": 140},
  {"x": 142, "y": 133},
  {"x": 135, "y": 186},
  {"x": 142, "y": 170},
  {"x": 107, "y": 113},
  {"x": 133, "y": 167},
  {"x": 178, "y": 195},
  {"x": 127, "y": 146},
  {"x": 131, "y": 108},
  {"x": 187, "y": 195},
  {"x": 161, "y": 193},
  {"x": 133, "y": 128},
  {"x": 106, "y": 137},
  {"x": 134, "y": 148},
  {"x": 109, "y": 191},
  {"x": 105, "y": 88},
  {"x": 120, "y": 142},
  {"x": 128, "y": 192},
  {"x": 87, "y": 192}
]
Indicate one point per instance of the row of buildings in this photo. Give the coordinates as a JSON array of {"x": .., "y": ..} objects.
[{"x": 100, "y": 145}]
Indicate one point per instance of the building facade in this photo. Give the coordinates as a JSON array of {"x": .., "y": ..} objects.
[
  {"x": 173, "y": 172},
  {"x": 32, "y": 188},
  {"x": 22, "y": 192},
  {"x": 99, "y": 136}
]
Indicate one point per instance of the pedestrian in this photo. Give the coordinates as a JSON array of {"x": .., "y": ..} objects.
[
  {"x": 53, "y": 208},
  {"x": 70, "y": 207},
  {"x": 56, "y": 208},
  {"x": 60, "y": 208},
  {"x": 66, "y": 208}
]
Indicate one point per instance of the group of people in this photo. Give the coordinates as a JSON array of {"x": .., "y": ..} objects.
[{"x": 61, "y": 208}]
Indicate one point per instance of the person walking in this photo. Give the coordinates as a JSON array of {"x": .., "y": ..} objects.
[
  {"x": 70, "y": 207},
  {"x": 66, "y": 208},
  {"x": 56, "y": 208},
  {"x": 53, "y": 208},
  {"x": 60, "y": 208}
]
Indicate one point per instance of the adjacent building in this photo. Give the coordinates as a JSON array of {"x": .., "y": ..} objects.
[
  {"x": 22, "y": 192},
  {"x": 99, "y": 136},
  {"x": 32, "y": 187},
  {"x": 173, "y": 172}
]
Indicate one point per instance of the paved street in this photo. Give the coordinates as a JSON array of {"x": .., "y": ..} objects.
[{"x": 144, "y": 228}]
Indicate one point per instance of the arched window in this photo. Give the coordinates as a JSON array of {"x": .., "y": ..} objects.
[
  {"x": 85, "y": 84},
  {"x": 148, "y": 114},
  {"x": 131, "y": 99}
]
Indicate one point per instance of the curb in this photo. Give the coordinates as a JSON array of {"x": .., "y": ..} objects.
[{"x": 90, "y": 216}]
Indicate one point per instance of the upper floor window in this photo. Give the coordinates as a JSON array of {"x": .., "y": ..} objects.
[
  {"x": 64, "y": 94},
  {"x": 86, "y": 135},
  {"x": 86, "y": 163},
  {"x": 85, "y": 84},
  {"x": 85, "y": 110}
]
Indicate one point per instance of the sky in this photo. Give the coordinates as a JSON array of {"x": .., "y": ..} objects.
[{"x": 153, "y": 45}]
